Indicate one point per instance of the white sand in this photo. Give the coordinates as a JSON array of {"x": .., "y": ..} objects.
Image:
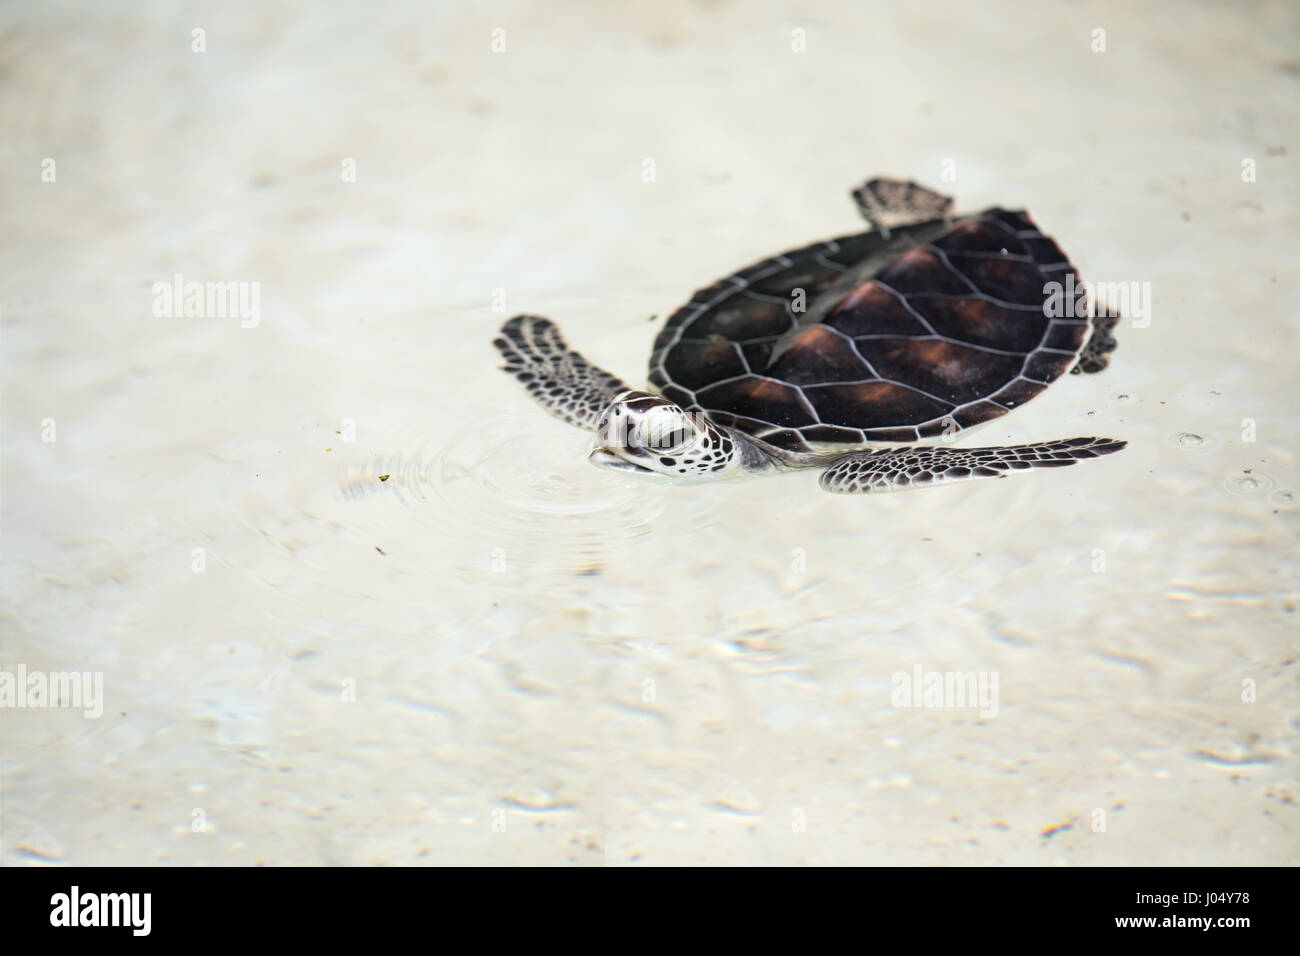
[{"x": 553, "y": 664}]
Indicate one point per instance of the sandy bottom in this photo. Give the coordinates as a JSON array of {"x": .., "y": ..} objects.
[{"x": 499, "y": 654}]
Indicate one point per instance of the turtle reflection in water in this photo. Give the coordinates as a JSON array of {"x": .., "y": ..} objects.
[{"x": 843, "y": 355}]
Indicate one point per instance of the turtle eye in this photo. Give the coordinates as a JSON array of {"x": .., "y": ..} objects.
[
  {"x": 673, "y": 441},
  {"x": 666, "y": 433}
]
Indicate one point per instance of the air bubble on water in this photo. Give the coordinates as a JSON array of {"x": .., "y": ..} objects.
[
  {"x": 1191, "y": 441},
  {"x": 1284, "y": 498},
  {"x": 1248, "y": 484}
]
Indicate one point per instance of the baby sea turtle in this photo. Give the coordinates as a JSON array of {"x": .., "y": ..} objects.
[{"x": 842, "y": 355}]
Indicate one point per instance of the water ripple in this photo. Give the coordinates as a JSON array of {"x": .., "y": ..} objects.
[{"x": 510, "y": 494}]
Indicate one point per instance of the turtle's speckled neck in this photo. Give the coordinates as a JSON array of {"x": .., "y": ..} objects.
[{"x": 757, "y": 456}]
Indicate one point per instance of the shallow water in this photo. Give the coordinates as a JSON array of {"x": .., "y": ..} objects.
[{"x": 498, "y": 653}]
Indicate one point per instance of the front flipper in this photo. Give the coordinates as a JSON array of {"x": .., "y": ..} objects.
[
  {"x": 886, "y": 203},
  {"x": 897, "y": 468},
  {"x": 565, "y": 383}
]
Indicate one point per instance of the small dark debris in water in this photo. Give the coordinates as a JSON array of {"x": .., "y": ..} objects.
[
  {"x": 381, "y": 550},
  {"x": 653, "y": 317},
  {"x": 384, "y": 477},
  {"x": 1187, "y": 217},
  {"x": 1275, "y": 150}
]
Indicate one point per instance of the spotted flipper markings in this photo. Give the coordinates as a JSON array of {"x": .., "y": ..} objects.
[
  {"x": 562, "y": 381},
  {"x": 896, "y": 469},
  {"x": 886, "y": 203},
  {"x": 1096, "y": 352}
]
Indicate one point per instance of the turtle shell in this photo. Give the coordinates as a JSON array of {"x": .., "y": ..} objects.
[{"x": 865, "y": 339}]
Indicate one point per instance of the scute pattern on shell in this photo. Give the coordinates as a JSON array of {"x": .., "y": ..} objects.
[{"x": 940, "y": 327}]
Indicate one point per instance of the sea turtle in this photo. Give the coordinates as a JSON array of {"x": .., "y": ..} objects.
[{"x": 843, "y": 354}]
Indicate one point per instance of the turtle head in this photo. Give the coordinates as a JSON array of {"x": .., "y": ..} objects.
[{"x": 646, "y": 434}]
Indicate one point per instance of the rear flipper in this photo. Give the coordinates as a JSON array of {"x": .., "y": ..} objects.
[
  {"x": 886, "y": 203},
  {"x": 897, "y": 468},
  {"x": 1095, "y": 355}
]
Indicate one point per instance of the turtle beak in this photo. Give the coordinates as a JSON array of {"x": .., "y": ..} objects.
[{"x": 607, "y": 459}]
